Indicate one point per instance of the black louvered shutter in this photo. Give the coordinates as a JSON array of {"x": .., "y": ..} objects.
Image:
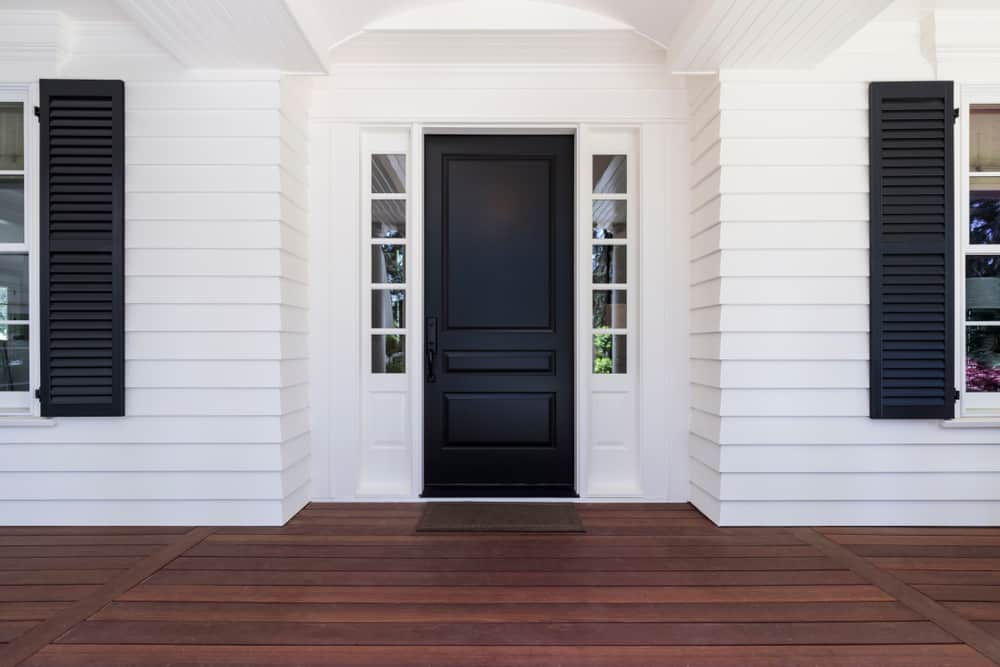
[
  {"x": 911, "y": 147},
  {"x": 82, "y": 248}
]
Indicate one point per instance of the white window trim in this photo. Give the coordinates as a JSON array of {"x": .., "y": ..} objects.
[
  {"x": 25, "y": 404},
  {"x": 975, "y": 406}
]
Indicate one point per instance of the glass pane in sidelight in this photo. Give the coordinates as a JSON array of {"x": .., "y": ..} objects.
[
  {"x": 388, "y": 264},
  {"x": 389, "y": 218},
  {"x": 11, "y": 136},
  {"x": 609, "y": 309},
  {"x": 982, "y": 288},
  {"x": 11, "y": 209},
  {"x": 609, "y": 218},
  {"x": 608, "y": 264},
  {"x": 984, "y": 137},
  {"x": 13, "y": 287},
  {"x": 14, "y": 355},
  {"x": 984, "y": 210},
  {"x": 388, "y": 174},
  {"x": 610, "y": 175},
  {"x": 982, "y": 362},
  {"x": 389, "y": 353},
  {"x": 609, "y": 354},
  {"x": 388, "y": 309}
]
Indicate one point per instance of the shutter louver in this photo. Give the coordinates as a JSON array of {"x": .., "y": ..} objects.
[
  {"x": 911, "y": 146},
  {"x": 82, "y": 216}
]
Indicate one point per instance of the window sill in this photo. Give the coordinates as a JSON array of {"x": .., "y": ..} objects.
[
  {"x": 21, "y": 421},
  {"x": 972, "y": 422}
]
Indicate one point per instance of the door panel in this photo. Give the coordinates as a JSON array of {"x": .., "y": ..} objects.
[{"x": 498, "y": 396}]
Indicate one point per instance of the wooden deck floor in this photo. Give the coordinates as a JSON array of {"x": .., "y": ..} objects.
[{"x": 354, "y": 585}]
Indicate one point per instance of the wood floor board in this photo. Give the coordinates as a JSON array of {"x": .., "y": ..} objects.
[
  {"x": 44, "y": 593},
  {"x": 77, "y": 551},
  {"x": 505, "y": 634},
  {"x": 48, "y": 563},
  {"x": 920, "y": 563},
  {"x": 919, "y": 540},
  {"x": 50, "y": 577},
  {"x": 505, "y": 564},
  {"x": 497, "y": 550},
  {"x": 976, "y": 611},
  {"x": 514, "y": 540},
  {"x": 65, "y": 655},
  {"x": 506, "y": 595},
  {"x": 496, "y": 613},
  {"x": 961, "y": 593},
  {"x": 949, "y": 577},
  {"x": 307, "y": 578},
  {"x": 86, "y": 540},
  {"x": 29, "y": 611},
  {"x": 8, "y": 531}
]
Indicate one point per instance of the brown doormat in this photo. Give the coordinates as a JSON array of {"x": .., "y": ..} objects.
[{"x": 500, "y": 517}]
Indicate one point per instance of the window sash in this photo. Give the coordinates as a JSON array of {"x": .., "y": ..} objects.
[
  {"x": 970, "y": 403},
  {"x": 24, "y": 403}
]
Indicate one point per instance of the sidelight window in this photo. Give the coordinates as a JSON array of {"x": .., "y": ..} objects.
[
  {"x": 388, "y": 205},
  {"x": 609, "y": 263}
]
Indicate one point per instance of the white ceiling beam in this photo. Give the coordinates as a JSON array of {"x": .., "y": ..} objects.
[
  {"x": 760, "y": 34},
  {"x": 227, "y": 34}
]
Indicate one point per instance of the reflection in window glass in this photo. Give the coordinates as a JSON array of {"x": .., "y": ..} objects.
[
  {"x": 608, "y": 264},
  {"x": 982, "y": 363},
  {"x": 610, "y": 174},
  {"x": 984, "y": 137},
  {"x": 984, "y": 210},
  {"x": 388, "y": 264},
  {"x": 388, "y": 218},
  {"x": 14, "y": 350},
  {"x": 609, "y": 354},
  {"x": 388, "y": 174},
  {"x": 609, "y": 309},
  {"x": 388, "y": 309},
  {"x": 388, "y": 353},
  {"x": 11, "y": 136},
  {"x": 11, "y": 209},
  {"x": 609, "y": 218},
  {"x": 13, "y": 288},
  {"x": 982, "y": 288}
]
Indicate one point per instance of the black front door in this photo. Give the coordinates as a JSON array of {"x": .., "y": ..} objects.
[{"x": 498, "y": 393}]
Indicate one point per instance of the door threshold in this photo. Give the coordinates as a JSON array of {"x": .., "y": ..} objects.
[{"x": 491, "y": 492}]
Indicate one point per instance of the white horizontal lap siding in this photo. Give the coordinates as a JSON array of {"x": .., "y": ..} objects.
[
  {"x": 292, "y": 180},
  {"x": 780, "y": 432},
  {"x": 705, "y": 275},
  {"x": 215, "y": 327}
]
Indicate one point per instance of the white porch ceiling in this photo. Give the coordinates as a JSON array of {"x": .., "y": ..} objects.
[
  {"x": 300, "y": 35},
  {"x": 227, "y": 34}
]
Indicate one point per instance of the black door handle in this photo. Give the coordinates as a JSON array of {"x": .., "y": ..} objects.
[{"x": 431, "y": 346}]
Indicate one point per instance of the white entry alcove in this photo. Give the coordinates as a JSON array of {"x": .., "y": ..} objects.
[{"x": 631, "y": 426}]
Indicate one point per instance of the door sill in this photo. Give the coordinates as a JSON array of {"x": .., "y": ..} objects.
[{"x": 498, "y": 491}]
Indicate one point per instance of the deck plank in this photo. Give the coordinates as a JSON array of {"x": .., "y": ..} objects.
[{"x": 66, "y": 655}]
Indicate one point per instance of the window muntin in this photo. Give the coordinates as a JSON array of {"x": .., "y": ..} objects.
[
  {"x": 609, "y": 264},
  {"x": 388, "y": 288},
  {"x": 16, "y": 323}
]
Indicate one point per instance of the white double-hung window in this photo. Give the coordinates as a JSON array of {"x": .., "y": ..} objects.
[{"x": 17, "y": 288}]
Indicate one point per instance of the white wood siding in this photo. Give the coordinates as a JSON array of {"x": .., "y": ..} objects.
[
  {"x": 780, "y": 432},
  {"x": 217, "y": 429}
]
